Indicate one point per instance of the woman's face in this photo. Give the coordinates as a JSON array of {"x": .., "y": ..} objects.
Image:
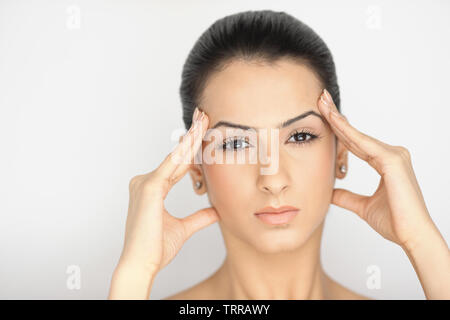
[{"x": 265, "y": 96}]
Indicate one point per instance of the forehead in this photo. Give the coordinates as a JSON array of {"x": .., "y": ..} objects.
[{"x": 251, "y": 91}]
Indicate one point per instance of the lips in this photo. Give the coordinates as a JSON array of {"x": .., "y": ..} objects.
[
  {"x": 274, "y": 216},
  {"x": 273, "y": 210}
]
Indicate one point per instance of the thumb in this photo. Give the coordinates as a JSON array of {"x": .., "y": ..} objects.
[
  {"x": 349, "y": 200},
  {"x": 199, "y": 220}
]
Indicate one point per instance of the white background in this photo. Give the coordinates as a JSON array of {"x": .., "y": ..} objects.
[{"x": 85, "y": 107}]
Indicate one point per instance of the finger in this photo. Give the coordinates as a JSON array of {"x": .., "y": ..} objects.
[
  {"x": 349, "y": 200},
  {"x": 363, "y": 146},
  {"x": 194, "y": 148},
  {"x": 174, "y": 159},
  {"x": 199, "y": 220}
]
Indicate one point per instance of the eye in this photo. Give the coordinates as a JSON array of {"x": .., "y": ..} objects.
[
  {"x": 302, "y": 137},
  {"x": 234, "y": 144}
]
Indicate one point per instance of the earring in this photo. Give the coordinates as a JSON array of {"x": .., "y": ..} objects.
[
  {"x": 198, "y": 184},
  {"x": 343, "y": 168}
]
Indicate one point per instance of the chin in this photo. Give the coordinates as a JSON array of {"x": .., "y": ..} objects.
[{"x": 278, "y": 239}]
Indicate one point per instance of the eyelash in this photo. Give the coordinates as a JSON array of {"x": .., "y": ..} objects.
[
  {"x": 232, "y": 140},
  {"x": 295, "y": 133},
  {"x": 304, "y": 142}
]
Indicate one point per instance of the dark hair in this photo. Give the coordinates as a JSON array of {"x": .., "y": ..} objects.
[{"x": 253, "y": 35}]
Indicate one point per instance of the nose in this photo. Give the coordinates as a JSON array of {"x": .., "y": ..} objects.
[
  {"x": 276, "y": 181},
  {"x": 274, "y": 184}
]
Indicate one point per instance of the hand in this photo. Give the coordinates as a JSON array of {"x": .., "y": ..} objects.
[
  {"x": 153, "y": 237},
  {"x": 397, "y": 209}
]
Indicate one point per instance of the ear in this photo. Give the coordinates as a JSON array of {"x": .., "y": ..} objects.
[
  {"x": 196, "y": 173},
  {"x": 341, "y": 159}
]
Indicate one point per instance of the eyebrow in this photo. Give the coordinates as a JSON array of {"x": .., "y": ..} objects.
[{"x": 282, "y": 125}]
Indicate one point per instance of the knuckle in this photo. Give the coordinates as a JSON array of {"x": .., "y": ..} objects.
[
  {"x": 371, "y": 158},
  {"x": 133, "y": 182},
  {"x": 403, "y": 153},
  {"x": 398, "y": 155}
]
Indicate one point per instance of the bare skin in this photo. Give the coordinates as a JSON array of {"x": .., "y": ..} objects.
[
  {"x": 266, "y": 261},
  {"x": 218, "y": 286},
  {"x": 209, "y": 289}
]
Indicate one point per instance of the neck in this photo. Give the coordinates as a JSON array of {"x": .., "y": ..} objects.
[{"x": 248, "y": 274}]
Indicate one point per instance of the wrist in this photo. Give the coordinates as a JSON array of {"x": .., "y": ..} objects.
[
  {"x": 428, "y": 237},
  {"x": 430, "y": 257},
  {"x": 131, "y": 281},
  {"x": 144, "y": 270}
]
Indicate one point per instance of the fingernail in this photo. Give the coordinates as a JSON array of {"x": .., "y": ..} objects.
[
  {"x": 192, "y": 128},
  {"x": 328, "y": 96},
  {"x": 199, "y": 114},
  {"x": 196, "y": 124},
  {"x": 324, "y": 99},
  {"x": 334, "y": 111},
  {"x": 195, "y": 115},
  {"x": 202, "y": 116}
]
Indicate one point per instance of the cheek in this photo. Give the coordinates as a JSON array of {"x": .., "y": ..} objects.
[
  {"x": 315, "y": 176},
  {"x": 229, "y": 186},
  {"x": 321, "y": 164}
]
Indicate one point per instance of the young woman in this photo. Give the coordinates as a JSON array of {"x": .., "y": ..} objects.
[{"x": 267, "y": 70}]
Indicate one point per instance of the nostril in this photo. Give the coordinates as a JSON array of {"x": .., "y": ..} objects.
[{"x": 275, "y": 190}]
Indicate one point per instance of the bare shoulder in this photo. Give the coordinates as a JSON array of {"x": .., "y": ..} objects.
[{"x": 340, "y": 292}]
